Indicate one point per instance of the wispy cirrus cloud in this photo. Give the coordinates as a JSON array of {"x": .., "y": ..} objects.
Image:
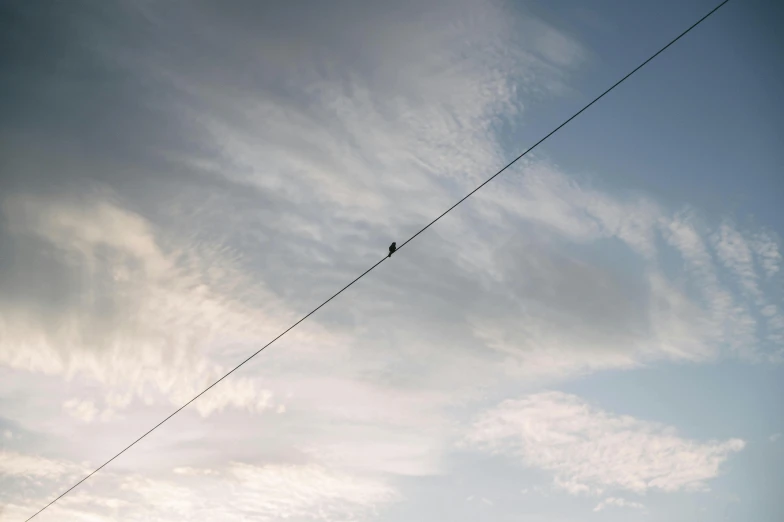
[
  {"x": 591, "y": 451},
  {"x": 617, "y": 502},
  {"x": 142, "y": 319},
  {"x": 247, "y": 172},
  {"x": 21, "y": 465},
  {"x": 82, "y": 410},
  {"x": 269, "y": 492}
]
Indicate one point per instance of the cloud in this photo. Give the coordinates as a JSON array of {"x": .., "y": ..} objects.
[
  {"x": 303, "y": 492},
  {"x": 142, "y": 317},
  {"x": 29, "y": 466},
  {"x": 199, "y": 230},
  {"x": 617, "y": 502},
  {"x": 590, "y": 451},
  {"x": 250, "y": 165},
  {"x": 317, "y": 152},
  {"x": 693, "y": 311},
  {"x": 195, "y": 471},
  {"x": 736, "y": 254},
  {"x": 768, "y": 253},
  {"x": 774, "y": 437},
  {"x": 265, "y": 492},
  {"x": 82, "y": 410},
  {"x": 252, "y": 199},
  {"x": 263, "y": 193}
]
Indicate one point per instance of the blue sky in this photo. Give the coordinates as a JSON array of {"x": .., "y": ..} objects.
[
  {"x": 597, "y": 334},
  {"x": 715, "y": 94}
]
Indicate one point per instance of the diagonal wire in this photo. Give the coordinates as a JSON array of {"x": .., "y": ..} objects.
[{"x": 175, "y": 412}]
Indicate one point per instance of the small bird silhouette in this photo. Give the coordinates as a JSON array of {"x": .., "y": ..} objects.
[{"x": 392, "y": 249}]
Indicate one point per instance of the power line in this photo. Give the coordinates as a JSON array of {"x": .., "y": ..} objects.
[{"x": 616, "y": 84}]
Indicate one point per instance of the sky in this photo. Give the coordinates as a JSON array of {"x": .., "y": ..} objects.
[{"x": 597, "y": 334}]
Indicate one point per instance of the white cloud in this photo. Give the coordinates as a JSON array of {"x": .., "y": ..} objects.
[
  {"x": 342, "y": 153},
  {"x": 271, "y": 492},
  {"x": 694, "y": 312},
  {"x": 268, "y": 492},
  {"x": 31, "y": 466},
  {"x": 768, "y": 253},
  {"x": 617, "y": 502},
  {"x": 8, "y": 434},
  {"x": 291, "y": 180},
  {"x": 306, "y": 492},
  {"x": 148, "y": 331},
  {"x": 774, "y": 437},
  {"x": 430, "y": 134},
  {"x": 736, "y": 255},
  {"x": 592, "y": 451},
  {"x": 726, "y": 320},
  {"x": 85, "y": 411},
  {"x": 118, "y": 401},
  {"x": 195, "y": 471}
]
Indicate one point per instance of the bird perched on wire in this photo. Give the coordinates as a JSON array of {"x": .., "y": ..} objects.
[{"x": 392, "y": 249}]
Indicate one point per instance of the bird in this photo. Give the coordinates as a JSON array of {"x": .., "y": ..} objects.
[{"x": 392, "y": 249}]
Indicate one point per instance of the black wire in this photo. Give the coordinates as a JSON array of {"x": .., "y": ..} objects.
[{"x": 698, "y": 22}]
